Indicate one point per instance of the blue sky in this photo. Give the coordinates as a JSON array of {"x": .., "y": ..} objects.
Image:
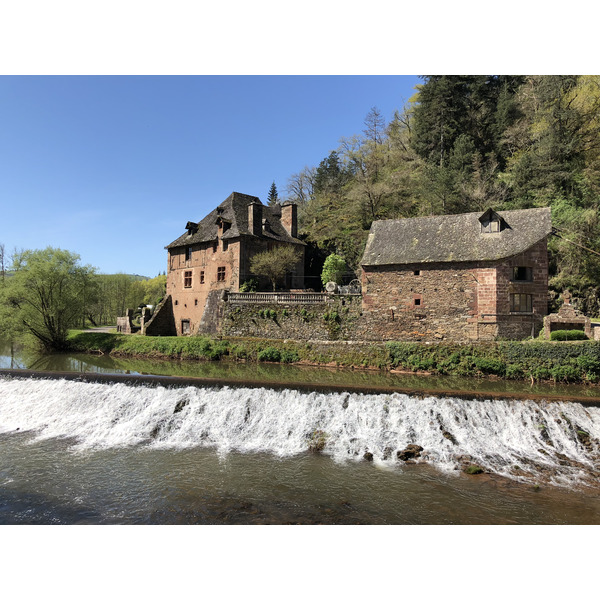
[{"x": 112, "y": 167}]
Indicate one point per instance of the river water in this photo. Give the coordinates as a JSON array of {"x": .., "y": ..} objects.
[{"x": 88, "y": 452}]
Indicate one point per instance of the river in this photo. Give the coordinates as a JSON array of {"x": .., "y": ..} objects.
[{"x": 91, "y": 452}]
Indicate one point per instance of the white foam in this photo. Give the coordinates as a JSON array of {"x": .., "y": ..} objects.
[{"x": 499, "y": 435}]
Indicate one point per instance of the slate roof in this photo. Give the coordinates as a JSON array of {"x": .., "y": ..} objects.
[
  {"x": 454, "y": 238},
  {"x": 234, "y": 210}
]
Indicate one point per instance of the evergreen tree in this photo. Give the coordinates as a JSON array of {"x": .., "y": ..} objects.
[{"x": 273, "y": 197}]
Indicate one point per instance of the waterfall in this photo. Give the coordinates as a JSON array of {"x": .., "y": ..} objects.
[{"x": 553, "y": 442}]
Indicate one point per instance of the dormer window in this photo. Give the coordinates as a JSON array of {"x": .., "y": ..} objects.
[
  {"x": 492, "y": 222},
  {"x": 192, "y": 228},
  {"x": 223, "y": 224}
]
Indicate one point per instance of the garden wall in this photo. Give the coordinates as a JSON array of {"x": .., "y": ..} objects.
[{"x": 336, "y": 319}]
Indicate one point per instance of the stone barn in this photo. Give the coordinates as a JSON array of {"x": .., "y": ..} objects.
[
  {"x": 474, "y": 276},
  {"x": 213, "y": 256}
]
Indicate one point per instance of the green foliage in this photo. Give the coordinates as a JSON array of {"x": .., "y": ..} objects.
[
  {"x": 48, "y": 294},
  {"x": 273, "y": 197},
  {"x": 267, "y": 314},
  {"x": 512, "y": 360},
  {"x": 274, "y": 264},
  {"x": 249, "y": 286},
  {"x": 467, "y": 143},
  {"x": 539, "y": 361},
  {"x": 333, "y": 269},
  {"x": 269, "y": 354},
  {"x": 562, "y": 335},
  {"x": 473, "y": 470}
]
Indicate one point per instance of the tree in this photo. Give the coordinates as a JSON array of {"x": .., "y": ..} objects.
[
  {"x": 333, "y": 269},
  {"x": 274, "y": 264},
  {"x": 273, "y": 197},
  {"x": 2, "y": 264},
  {"x": 47, "y": 294},
  {"x": 300, "y": 186}
]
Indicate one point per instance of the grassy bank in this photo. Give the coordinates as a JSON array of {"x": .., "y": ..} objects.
[{"x": 568, "y": 362}]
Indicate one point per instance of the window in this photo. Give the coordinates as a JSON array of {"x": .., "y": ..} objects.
[
  {"x": 491, "y": 225},
  {"x": 187, "y": 279},
  {"x": 221, "y": 274},
  {"x": 215, "y": 245},
  {"x": 196, "y": 302},
  {"x": 201, "y": 276},
  {"x": 417, "y": 272},
  {"x": 225, "y": 245},
  {"x": 188, "y": 253},
  {"x": 417, "y": 301},
  {"x": 522, "y": 274},
  {"x": 185, "y": 327},
  {"x": 521, "y": 303}
]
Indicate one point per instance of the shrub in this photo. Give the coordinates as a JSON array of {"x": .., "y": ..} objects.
[
  {"x": 289, "y": 356},
  {"x": 490, "y": 366},
  {"x": 333, "y": 269},
  {"x": 269, "y": 354},
  {"x": 250, "y": 285},
  {"x": 563, "y": 335}
]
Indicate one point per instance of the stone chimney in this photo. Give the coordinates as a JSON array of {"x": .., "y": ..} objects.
[
  {"x": 255, "y": 218},
  {"x": 289, "y": 218}
]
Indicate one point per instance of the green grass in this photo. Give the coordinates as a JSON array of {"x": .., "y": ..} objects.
[{"x": 570, "y": 362}]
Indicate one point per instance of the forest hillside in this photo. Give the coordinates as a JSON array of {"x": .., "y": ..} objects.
[{"x": 464, "y": 144}]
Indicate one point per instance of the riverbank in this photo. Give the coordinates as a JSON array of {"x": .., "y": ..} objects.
[{"x": 535, "y": 361}]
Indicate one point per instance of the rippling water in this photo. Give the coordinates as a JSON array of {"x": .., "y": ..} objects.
[{"x": 75, "y": 452}]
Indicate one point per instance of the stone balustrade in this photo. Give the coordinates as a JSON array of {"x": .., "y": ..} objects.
[{"x": 277, "y": 298}]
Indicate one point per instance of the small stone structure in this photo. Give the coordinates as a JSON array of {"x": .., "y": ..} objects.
[
  {"x": 125, "y": 324},
  {"x": 567, "y": 317}
]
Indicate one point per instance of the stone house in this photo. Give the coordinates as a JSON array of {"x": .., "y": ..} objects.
[
  {"x": 474, "y": 276},
  {"x": 213, "y": 256}
]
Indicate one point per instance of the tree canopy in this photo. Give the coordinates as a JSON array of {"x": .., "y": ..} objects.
[
  {"x": 275, "y": 264},
  {"x": 47, "y": 295},
  {"x": 465, "y": 144}
]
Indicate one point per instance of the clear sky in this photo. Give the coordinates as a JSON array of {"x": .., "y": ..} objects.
[{"x": 112, "y": 167}]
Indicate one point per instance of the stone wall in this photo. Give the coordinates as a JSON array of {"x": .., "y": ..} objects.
[
  {"x": 162, "y": 321},
  {"x": 412, "y": 303},
  {"x": 337, "y": 319},
  {"x": 458, "y": 302}
]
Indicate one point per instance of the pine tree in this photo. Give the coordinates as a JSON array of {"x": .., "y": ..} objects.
[{"x": 273, "y": 197}]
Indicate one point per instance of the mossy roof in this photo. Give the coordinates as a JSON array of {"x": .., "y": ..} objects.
[
  {"x": 454, "y": 238},
  {"x": 234, "y": 210}
]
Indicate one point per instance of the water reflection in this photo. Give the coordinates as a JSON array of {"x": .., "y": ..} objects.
[{"x": 13, "y": 356}]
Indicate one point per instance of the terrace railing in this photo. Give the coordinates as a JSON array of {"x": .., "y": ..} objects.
[{"x": 277, "y": 298}]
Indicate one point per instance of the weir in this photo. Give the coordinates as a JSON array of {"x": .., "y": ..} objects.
[{"x": 530, "y": 441}]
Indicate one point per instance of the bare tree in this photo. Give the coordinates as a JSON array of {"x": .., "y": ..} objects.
[
  {"x": 375, "y": 125},
  {"x": 300, "y": 186}
]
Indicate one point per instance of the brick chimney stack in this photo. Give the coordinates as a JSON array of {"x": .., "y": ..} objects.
[
  {"x": 289, "y": 218},
  {"x": 255, "y": 218}
]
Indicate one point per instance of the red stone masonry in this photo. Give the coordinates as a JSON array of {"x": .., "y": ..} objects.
[{"x": 454, "y": 301}]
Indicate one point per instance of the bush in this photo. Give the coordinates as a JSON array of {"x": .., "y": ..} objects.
[
  {"x": 563, "y": 335},
  {"x": 289, "y": 356},
  {"x": 269, "y": 354},
  {"x": 249, "y": 286},
  {"x": 333, "y": 269}
]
